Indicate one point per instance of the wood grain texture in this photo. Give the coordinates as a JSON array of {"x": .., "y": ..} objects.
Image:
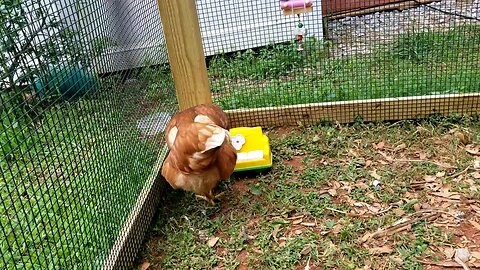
[
  {"x": 185, "y": 52},
  {"x": 348, "y": 111}
]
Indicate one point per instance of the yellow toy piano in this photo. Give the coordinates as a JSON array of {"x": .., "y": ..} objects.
[{"x": 253, "y": 149}]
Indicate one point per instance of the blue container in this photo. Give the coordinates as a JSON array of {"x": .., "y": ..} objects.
[{"x": 66, "y": 82}]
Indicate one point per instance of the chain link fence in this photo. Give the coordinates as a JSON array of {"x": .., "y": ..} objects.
[{"x": 86, "y": 92}]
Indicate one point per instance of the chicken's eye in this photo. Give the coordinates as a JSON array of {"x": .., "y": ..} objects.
[{"x": 238, "y": 141}]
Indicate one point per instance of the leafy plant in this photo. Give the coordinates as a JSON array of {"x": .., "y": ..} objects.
[
  {"x": 32, "y": 37},
  {"x": 266, "y": 63}
]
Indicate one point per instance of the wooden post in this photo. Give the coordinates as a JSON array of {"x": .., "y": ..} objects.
[{"x": 185, "y": 52}]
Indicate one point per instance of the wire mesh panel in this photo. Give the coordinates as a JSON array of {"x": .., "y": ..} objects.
[
  {"x": 356, "y": 58},
  {"x": 85, "y": 95}
]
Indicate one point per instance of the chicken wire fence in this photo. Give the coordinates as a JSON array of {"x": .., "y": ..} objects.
[
  {"x": 350, "y": 53},
  {"x": 85, "y": 95},
  {"x": 86, "y": 92}
]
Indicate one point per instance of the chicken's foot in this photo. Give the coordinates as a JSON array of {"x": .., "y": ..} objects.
[
  {"x": 219, "y": 195},
  {"x": 210, "y": 198},
  {"x": 205, "y": 198}
]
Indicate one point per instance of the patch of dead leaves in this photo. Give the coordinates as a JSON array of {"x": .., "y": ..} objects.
[
  {"x": 404, "y": 223},
  {"x": 473, "y": 149},
  {"x": 380, "y": 250}
]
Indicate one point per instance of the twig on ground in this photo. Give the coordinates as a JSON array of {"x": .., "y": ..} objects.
[
  {"x": 448, "y": 264},
  {"x": 460, "y": 173},
  {"x": 446, "y": 166},
  {"x": 399, "y": 227},
  {"x": 336, "y": 210},
  {"x": 460, "y": 262}
]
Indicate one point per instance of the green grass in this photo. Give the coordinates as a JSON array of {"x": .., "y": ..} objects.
[
  {"x": 415, "y": 64},
  {"x": 71, "y": 172},
  {"x": 255, "y": 220},
  {"x": 71, "y": 175}
]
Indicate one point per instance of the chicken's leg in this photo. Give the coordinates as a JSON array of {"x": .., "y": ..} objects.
[
  {"x": 210, "y": 197},
  {"x": 205, "y": 198},
  {"x": 219, "y": 195}
]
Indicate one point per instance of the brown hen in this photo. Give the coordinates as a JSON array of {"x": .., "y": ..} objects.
[{"x": 201, "y": 152}]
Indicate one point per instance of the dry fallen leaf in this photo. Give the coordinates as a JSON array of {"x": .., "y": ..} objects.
[
  {"x": 366, "y": 237},
  {"x": 212, "y": 241},
  {"x": 448, "y": 195},
  {"x": 420, "y": 155},
  {"x": 400, "y": 147},
  {"x": 476, "y": 175},
  {"x": 258, "y": 251},
  {"x": 472, "y": 184},
  {"x": 144, "y": 266},
  {"x": 430, "y": 178},
  {"x": 475, "y": 208},
  {"x": 426, "y": 206},
  {"x": 306, "y": 250},
  {"x": 379, "y": 146},
  {"x": 399, "y": 212},
  {"x": 449, "y": 252},
  {"x": 381, "y": 250},
  {"x": 476, "y": 164},
  {"x": 448, "y": 264},
  {"x": 385, "y": 156},
  {"x": 352, "y": 153},
  {"x": 375, "y": 175},
  {"x": 362, "y": 185},
  {"x": 308, "y": 224},
  {"x": 440, "y": 174},
  {"x": 370, "y": 195},
  {"x": 337, "y": 228},
  {"x": 332, "y": 192},
  {"x": 475, "y": 224},
  {"x": 373, "y": 209},
  {"x": 276, "y": 229},
  {"x": 475, "y": 254},
  {"x": 473, "y": 149},
  {"x": 243, "y": 234},
  {"x": 298, "y": 221},
  {"x": 463, "y": 137},
  {"x": 307, "y": 267}
]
